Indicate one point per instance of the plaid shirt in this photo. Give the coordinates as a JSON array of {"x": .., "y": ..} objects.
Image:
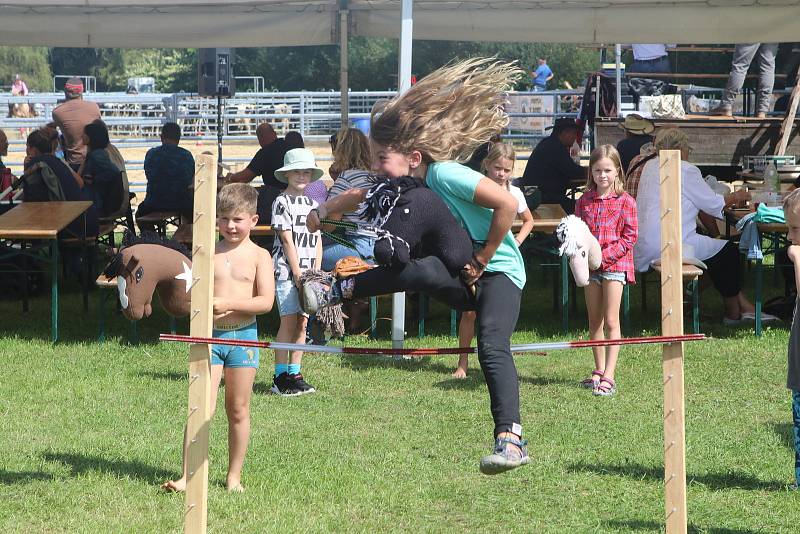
[
  {"x": 613, "y": 221},
  {"x": 634, "y": 173}
]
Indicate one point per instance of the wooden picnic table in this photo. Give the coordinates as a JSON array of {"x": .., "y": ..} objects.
[
  {"x": 787, "y": 176},
  {"x": 773, "y": 232},
  {"x": 32, "y": 222}
]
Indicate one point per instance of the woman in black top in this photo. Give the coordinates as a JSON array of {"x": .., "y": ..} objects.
[
  {"x": 37, "y": 187},
  {"x": 99, "y": 173}
]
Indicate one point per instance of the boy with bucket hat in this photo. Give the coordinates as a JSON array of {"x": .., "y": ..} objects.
[
  {"x": 638, "y": 132},
  {"x": 295, "y": 250}
]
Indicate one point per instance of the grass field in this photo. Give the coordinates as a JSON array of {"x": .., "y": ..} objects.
[{"x": 89, "y": 430}]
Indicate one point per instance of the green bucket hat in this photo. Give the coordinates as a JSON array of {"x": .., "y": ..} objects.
[{"x": 298, "y": 159}]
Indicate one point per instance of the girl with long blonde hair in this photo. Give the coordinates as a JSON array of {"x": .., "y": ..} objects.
[
  {"x": 427, "y": 133},
  {"x": 610, "y": 213},
  {"x": 498, "y": 165}
]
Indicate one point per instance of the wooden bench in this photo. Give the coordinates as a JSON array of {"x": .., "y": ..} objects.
[
  {"x": 110, "y": 287},
  {"x": 691, "y": 274}
]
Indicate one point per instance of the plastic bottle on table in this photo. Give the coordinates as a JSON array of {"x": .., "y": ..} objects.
[{"x": 772, "y": 181}]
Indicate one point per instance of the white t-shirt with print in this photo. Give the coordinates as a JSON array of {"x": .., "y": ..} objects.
[{"x": 290, "y": 213}]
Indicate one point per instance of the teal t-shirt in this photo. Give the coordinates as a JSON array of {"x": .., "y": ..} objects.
[{"x": 456, "y": 185}]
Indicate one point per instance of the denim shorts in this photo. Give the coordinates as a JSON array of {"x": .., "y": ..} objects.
[
  {"x": 288, "y": 298},
  {"x": 599, "y": 276},
  {"x": 233, "y": 356}
]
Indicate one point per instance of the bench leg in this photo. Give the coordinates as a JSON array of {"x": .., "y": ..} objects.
[
  {"x": 101, "y": 315},
  {"x": 564, "y": 294},
  {"x": 453, "y": 322},
  {"x": 173, "y": 325},
  {"x": 373, "y": 317},
  {"x": 133, "y": 337},
  {"x": 423, "y": 312},
  {"x": 626, "y": 308},
  {"x": 694, "y": 285}
]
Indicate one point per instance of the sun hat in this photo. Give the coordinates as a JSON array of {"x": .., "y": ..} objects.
[
  {"x": 298, "y": 159},
  {"x": 636, "y": 124}
]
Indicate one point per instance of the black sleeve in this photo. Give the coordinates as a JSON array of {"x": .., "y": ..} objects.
[
  {"x": 257, "y": 163},
  {"x": 567, "y": 167}
]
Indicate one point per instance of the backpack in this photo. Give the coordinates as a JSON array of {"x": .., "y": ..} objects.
[{"x": 608, "y": 98}]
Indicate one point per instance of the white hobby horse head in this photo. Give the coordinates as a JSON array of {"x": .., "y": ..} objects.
[{"x": 580, "y": 246}]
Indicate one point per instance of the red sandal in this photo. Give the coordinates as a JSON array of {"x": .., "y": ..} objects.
[
  {"x": 606, "y": 388},
  {"x": 593, "y": 381}
]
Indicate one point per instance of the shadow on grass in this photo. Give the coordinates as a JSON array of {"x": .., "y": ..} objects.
[
  {"x": 80, "y": 464},
  {"x": 168, "y": 375},
  {"x": 366, "y": 362},
  {"x": 784, "y": 431},
  {"x": 713, "y": 481},
  {"x": 8, "y": 478},
  {"x": 653, "y": 526}
]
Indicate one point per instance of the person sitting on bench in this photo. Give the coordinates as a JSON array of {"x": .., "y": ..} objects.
[{"x": 170, "y": 174}]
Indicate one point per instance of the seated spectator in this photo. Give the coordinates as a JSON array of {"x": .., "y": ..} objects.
[
  {"x": 638, "y": 133},
  {"x": 551, "y": 168},
  {"x": 294, "y": 140},
  {"x": 47, "y": 179},
  {"x": 169, "y": 170},
  {"x": 352, "y": 160},
  {"x": 267, "y": 160},
  {"x": 99, "y": 173},
  {"x": 720, "y": 256},
  {"x": 634, "y": 173},
  {"x": 71, "y": 117},
  {"x": 3, "y": 148}
]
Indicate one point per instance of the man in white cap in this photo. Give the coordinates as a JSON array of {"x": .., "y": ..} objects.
[
  {"x": 71, "y": 117},
  {"x": 638, "y": 132}
]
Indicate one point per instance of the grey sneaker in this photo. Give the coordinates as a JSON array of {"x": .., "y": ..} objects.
[
  {"x": 505, "y": 458},
  {"x": 723, "y": 110},
  {"x": 315, "y": 295}
]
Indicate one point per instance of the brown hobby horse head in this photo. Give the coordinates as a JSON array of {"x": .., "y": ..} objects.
[{"x": 147, "y": 264}]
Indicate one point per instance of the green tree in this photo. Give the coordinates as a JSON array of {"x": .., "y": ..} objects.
[{"x": 27, "y": 61}]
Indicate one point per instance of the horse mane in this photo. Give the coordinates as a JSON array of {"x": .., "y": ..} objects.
[
  {"x": 384, "y": 195},
  {"x": 129, "y": 239},
  {"x": 151, "y": 238},
  {"x": 569, "y": 232}
]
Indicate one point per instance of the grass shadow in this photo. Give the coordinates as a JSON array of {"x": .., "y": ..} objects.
[
  {"x": 80, "y": 464},
  {"x": 653, "y": 526},
  {"x": 784, "y": 431},
  {"x": 359, "y": 362},
  {"x": 167, "y": 375},
  {"x": 8, "y": 478},
  {"x": 712, "y": 481}
]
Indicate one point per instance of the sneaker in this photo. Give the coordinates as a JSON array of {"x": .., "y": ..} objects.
[
  {"x": 315, "y": 295},
  {"x": 723, "y": 110},
  {"x": 765, "y": 317},
  {"x": 301, "y": 385},
  {"x": 505, "y": 458},
  {"x": 284, "y": 386}
]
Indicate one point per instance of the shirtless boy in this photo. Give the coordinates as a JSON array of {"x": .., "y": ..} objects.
[{"x": 243, "y": 288}]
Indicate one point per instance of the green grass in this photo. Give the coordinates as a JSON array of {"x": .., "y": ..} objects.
[{"x": 89, "y": 430}]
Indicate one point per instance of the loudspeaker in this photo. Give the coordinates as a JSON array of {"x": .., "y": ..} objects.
[{"x": 215, "y": 72}]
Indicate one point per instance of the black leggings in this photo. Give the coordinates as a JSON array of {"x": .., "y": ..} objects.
[
  {"x": 724, "y": 269},
  {"x": 496, "y": 300}
]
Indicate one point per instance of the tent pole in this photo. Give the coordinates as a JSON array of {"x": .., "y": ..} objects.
[
  {"x": 617, "y": 56},
  {"x": 344, "y": 84},
  {"x": 403, "y": 84}
]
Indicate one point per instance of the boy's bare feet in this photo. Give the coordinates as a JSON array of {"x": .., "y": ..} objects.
[
  {"x": 174, "y": 486},
  {"x": 238, "y": 488},
  {"x": 459, "y": 373}
]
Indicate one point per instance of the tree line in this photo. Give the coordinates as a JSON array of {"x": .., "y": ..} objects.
[{"x": 373, "y": 64}]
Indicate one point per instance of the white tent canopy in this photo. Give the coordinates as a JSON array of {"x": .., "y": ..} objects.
[{"x": 242, "y": 23}]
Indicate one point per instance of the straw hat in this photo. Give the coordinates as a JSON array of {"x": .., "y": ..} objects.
[
  {"x": 298, "y": 159},
  {"x": 638, "y": 125}
]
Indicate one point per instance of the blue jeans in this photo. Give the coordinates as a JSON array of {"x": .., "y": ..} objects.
[
  {"x": 333, "y": 253},
  {"x": 660, "y": 64}
]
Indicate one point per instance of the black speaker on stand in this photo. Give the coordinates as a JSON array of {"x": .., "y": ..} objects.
[{"x": 215, "y": 78}]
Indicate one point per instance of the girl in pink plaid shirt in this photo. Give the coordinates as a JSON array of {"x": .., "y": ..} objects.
[{"x": 610, "y": 214}]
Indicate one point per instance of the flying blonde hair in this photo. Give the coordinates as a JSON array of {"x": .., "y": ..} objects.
[
  {"x": 352, "y": 151},
  {"x": 450, "y": 112},
  {"x": 610, "y": 152}
]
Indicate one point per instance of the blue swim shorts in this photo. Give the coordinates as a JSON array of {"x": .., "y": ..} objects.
[{"x": 232, "y": 355}]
